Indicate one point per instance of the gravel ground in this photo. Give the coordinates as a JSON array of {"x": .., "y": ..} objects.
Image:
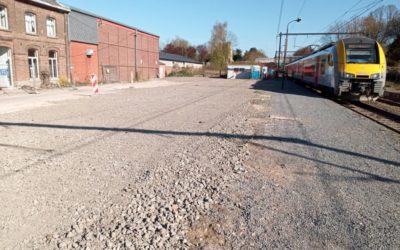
[
  {"x": 206, "y": 164},
  {"x": 388, "y": 107}
]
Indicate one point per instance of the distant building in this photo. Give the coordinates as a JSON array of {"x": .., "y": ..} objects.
[
  {"x": 176, "y": 62},
  {"x": 239, "y": 71},
  {"x": 256, "y": 71},
  {"x": 33, "y": 39},
  {"x": 244, "y": 72},
  {"x": 116, "y": 52}
]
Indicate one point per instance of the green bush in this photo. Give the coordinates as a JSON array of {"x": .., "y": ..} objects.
[
  {"x": 63, "y": 82},
  {"x": 184, "y": 72}
]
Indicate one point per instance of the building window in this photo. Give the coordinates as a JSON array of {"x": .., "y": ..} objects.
[
  {"x": 53, "y": 65},
  {"x": 30, "y": 23},
  {"x": 3, "y": 18},
  {"x": 33, "y": 62},
  {"x": 51, "y": 27}
]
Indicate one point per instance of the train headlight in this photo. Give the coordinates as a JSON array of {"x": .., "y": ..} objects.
[
  {"x": 376, "y": 76},
  {"x": 348, "y": 75}
]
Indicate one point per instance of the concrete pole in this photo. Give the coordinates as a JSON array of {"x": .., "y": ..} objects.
[
  {"x": 279, "y": 52},
  {"x": 284, "y": 58}
]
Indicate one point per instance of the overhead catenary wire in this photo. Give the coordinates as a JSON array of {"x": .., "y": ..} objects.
[
  {"x": 298, "y": 15},
  {"x": 302, "y": 7},
  {"x": 341, "y": 16},
  {"x": 279, "y": 24},
  {"x": 280, "y": 16},
  {"x": 337, "y": 19},
  {"x": 359, "y": 12}
]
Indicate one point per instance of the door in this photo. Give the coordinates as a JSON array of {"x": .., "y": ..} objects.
[
  {"x": 5, "y": 67},
  {"x": 161, "y": 73},
  {"x": 317, "y": 71}
]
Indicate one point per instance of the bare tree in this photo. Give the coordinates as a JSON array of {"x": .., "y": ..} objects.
[
  {"x": 354, "y": 26},
  {"x": 181, "y": 47},
  {"x": 180, "y": 42},
  {"x": 221, "y": 46},
  {"x": 303, "y": 51},
  {"x": 252, "y": 54},
  {"x": 379, "y": 25},
  {"x": 203, "y": 54}
]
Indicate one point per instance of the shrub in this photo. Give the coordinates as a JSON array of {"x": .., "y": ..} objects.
[
  {"x": 63, "y": 82},
  {"x": 184, "y": 72}
]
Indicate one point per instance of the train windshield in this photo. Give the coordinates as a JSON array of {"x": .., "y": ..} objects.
[{"x": 362, "y": 53}]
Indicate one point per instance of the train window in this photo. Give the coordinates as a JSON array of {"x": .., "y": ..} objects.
[{"x": 365, "y": 54}]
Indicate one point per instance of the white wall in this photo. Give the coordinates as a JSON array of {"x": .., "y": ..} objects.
[{"x": 182, "y": 64}]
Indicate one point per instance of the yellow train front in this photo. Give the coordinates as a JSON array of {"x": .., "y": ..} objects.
[{"x": 350, "y": 68}]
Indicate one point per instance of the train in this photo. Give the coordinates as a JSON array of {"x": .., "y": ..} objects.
[{"x": 351, "y": 68}]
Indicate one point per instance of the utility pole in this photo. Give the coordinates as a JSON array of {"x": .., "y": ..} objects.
[
  {"x": 279, "y": 53},
  {"x": 284, "y": 59}
]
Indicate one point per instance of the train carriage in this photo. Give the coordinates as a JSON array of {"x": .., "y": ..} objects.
[{"x": 352, "y": 67}]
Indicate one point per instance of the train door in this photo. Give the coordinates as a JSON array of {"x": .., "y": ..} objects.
[
  {"x": 323, "y": 80},
  {"x": 330, "y": 71},
  {"x": 5, "y": 67},
  {"x": 301, "y": 71},
  {"x": 317, "y": 70}
]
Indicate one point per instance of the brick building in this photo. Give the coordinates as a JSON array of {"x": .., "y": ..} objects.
[
  {"x": 84, "y": 42},
  {"x": 123, "y": 53},
  {"x": 33, "y": 42}
]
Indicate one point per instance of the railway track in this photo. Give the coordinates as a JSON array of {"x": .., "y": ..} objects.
[
  {"x": 382, "y": 116},
  {"x": 390, "y": 102},
  {"x": 388, "y": 116}
]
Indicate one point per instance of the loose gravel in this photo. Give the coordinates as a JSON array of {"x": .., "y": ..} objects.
[{"x": 206, "y": 164}]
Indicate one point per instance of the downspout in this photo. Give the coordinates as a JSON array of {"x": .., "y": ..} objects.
[
  {"x": 99, "y": 64},
  {"x": 68, "y": 51},
  {"x": 136, "y": 72},
  {"x": 13, "y": 55}
]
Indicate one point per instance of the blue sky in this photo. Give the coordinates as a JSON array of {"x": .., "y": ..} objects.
[{"x": 254, "y": 22}]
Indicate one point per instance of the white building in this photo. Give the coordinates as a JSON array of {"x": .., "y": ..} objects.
[
  {"x": 243, "y": 71},
  {"x": 177, "y": 62},
  {"x": 239, "y": 71}
]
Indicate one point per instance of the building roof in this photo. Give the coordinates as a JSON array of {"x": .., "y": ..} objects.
[
  {"x": 108, "y": 19},
  {"x": 176, "y": 58},
  {"x": 82, "y": 28},
  {"x": 53, "y": 4}
]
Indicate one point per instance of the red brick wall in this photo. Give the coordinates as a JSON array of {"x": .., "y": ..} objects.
[
  {"x": 82, "y": 65},
  {"x": 117, "y": 50},
  {"x": 19, "y": 42}
]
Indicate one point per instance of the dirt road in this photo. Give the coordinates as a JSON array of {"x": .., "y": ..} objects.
[{"x": 206, "y": 163}]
